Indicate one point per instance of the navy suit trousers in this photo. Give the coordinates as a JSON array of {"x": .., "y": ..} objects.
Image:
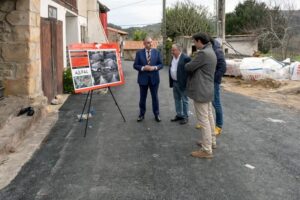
[{"x": 143, "y": 97}]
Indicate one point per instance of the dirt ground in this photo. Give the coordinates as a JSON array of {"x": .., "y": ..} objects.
[{"x": 284, "y": 92}]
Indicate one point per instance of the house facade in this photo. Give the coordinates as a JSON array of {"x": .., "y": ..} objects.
[{"x": 33, "y": 42}]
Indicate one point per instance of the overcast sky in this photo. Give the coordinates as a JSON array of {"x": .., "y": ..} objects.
[{"x": 143, "y": 12}]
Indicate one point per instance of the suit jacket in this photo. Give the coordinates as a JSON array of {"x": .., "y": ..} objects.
[
  {"x": 201, "y": 70},
  {"x": 181, "y": 73},
  {"x": 145, "y": 77}
]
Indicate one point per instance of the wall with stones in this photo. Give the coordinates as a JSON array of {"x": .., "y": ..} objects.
[{"x": 20, "y": 57}]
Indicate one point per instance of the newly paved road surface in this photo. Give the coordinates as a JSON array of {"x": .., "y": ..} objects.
[{"x": 150, "y": 160}]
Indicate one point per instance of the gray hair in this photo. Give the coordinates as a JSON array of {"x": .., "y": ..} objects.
[{"x": 177, "y": 46}]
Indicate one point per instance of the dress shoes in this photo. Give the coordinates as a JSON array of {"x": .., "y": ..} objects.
[
  {"x": 184, "y": 121},
  {"x": 140, "y": 118},
  {"x": 157, "y": 118},
  {"x": 176, "y": 118},
  {"x": 202, "y": 154}
]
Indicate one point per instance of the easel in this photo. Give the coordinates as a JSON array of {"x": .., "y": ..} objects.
[{"x": 90, "y": 94}]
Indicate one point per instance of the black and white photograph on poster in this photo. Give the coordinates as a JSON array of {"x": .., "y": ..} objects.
[
  {"x": 104, "y": 66},
  {"x": 83, "y": 81}
]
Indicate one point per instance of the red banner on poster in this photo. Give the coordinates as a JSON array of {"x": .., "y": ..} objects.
[{"x": 95, "y": 66}]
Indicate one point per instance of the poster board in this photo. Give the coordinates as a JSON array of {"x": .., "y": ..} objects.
[{"x": 95, "y": 66}]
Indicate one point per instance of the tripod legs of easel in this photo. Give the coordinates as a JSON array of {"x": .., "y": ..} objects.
[
  {"x": 116, "y": 104},
  {"x": 90, "y": 94}
]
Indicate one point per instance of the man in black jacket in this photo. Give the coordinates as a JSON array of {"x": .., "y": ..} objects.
[{"x": 178, "y": 77}]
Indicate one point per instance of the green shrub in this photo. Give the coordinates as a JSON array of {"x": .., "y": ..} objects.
[{"x": 68, "y": 81}]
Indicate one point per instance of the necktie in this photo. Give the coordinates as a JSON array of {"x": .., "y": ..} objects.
[{"x": 148, "y": 57}]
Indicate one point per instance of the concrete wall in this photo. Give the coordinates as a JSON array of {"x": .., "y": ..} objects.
[
  {"x": 129, "y": 54},
  {"x": 20, "y": 57},
  {"x": 245, "y": 45},
  {"x": 96, "y": 32},
  {"x": 72, "y": 30},
  {"x": 186, "y": 43}
]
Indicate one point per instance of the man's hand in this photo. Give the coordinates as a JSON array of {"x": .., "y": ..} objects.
[{"x": 149, "y": 68}]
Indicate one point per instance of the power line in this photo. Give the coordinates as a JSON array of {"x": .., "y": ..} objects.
[
  {"x": 128, "y": 25},
  {"x": 130, "y": 4}
]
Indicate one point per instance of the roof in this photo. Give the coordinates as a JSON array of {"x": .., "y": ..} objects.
[
  {"x": 134, "y": 45},
  {"x": 117, "y": 31}
]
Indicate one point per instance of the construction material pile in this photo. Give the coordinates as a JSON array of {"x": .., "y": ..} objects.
[{"x": 258, "y": 68}]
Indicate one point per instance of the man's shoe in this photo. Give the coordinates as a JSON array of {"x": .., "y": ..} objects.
[
  {"x": 202, "y": 154},
  {"x": 157, "y": 118},
  {"x": 140, "y": 118},
  {"x": 213, "y": 146},
  {"x": 176, "y": 118},
  {"x": 184, "y": 121},
  {"x": 218, "y": 131}
]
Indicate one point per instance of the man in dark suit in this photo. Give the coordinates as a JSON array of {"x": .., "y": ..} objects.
[
  {"x": 148, "y": 63},
  {"x": 178, "y": 77}
]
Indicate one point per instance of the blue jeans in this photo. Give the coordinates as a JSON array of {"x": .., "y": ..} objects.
[
  {"x": 218, "y": 107},
  {"x": 181, "y": 101}
]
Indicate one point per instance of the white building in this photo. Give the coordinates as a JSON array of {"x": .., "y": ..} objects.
[{"x": 80, "y": 21}]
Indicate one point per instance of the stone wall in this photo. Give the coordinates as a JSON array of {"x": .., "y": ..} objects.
[{"x": 20, "y": 57}]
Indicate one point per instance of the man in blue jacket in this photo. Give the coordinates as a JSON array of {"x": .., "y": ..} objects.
[
  {"x": 177, "y": 78},
  {"x": 220, "y": 71},
  {"x": 148, "y": 63}
]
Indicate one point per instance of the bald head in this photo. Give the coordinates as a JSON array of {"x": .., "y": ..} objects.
[{"x": 148, "y": 42}]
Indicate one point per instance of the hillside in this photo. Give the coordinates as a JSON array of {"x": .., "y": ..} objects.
[{"x": 153, "y": 30}]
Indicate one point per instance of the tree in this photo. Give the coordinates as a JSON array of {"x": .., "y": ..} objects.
[
  {"x": 187, "y": 18},
  {"x": 268, "y": 22},
  {"x": 246, "y": 18},
  {"x": 139, "y": 35}
]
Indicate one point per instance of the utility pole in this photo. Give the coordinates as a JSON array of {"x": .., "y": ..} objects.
[
  {"x": 221, "y": 20},
  {"x": 164, "y": 32}
]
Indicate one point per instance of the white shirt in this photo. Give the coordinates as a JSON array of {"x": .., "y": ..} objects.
[{"x": 174, "y": 66}]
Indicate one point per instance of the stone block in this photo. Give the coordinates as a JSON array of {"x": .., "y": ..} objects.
[
  {"x": 22, "y": 71},
  {"x": 35, "y": 34},
  {"x": 29, "y": 5},
  {"x": 5, "y": 27},
  {"x": 34, "y": 51},
  {"x": 17, "y": 87},
  {"x": 22, "y": 33},
  {"x": 38, "y": 20},
  {"x": 22, "y": 18},
  {"x": 16, "y": 52},
  {"x": 2, "y": 15},
  {"x": 34, "y": 70},
  {"x": 7, "y": 5}
]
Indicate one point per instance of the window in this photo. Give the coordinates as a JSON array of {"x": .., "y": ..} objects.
[
  {"x": 83, "y": 34},
  {"x": 52, "y": 12}
]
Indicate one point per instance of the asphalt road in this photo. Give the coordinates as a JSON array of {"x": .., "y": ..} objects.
[{"x": 151, "y": 160}]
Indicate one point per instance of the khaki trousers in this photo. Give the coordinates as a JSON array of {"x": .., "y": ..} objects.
[{"x": 205, "y": 118}]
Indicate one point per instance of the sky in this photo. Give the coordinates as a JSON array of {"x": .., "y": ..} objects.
[{"x": 143, "y": 12}]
